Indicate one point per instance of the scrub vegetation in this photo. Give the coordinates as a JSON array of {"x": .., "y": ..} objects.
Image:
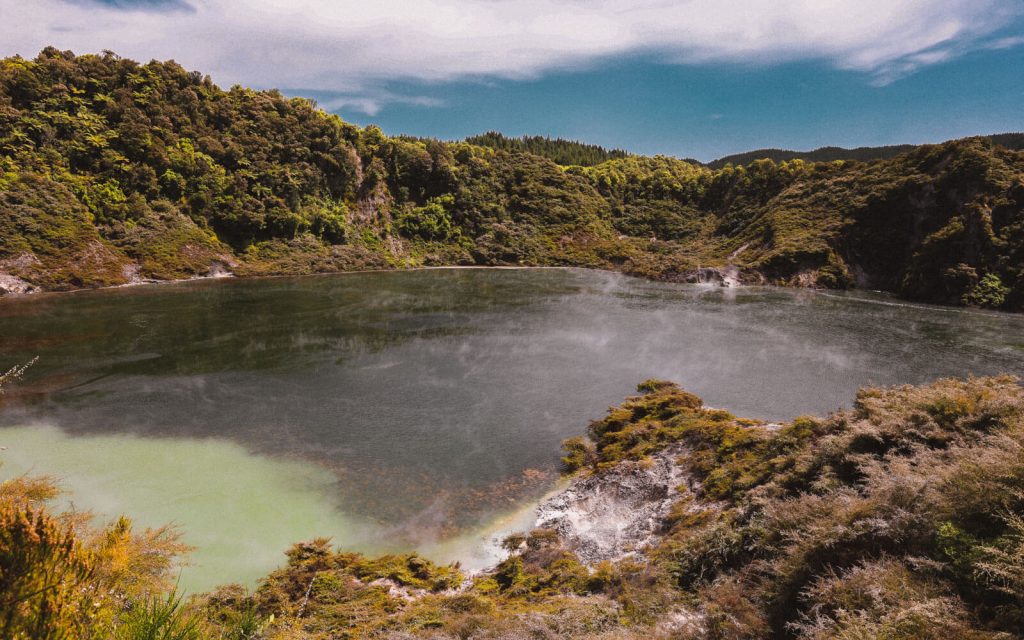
[
  {"x": 113, "y": 171},
  {"x": 902, "y": 517}
]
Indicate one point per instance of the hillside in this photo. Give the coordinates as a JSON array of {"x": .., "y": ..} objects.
[
  {"x": 862, "y": 154},
  {"x": 821, "y": 154},
  {"x": 899, "y": 518},
  {"x": 114, "y": 172}
]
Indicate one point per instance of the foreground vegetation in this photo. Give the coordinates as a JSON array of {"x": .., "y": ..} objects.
[
  {"x": 900, "y": 518},
  {"x": 112, "y": 172}
]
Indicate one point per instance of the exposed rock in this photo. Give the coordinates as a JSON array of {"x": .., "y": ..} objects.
[
  {"x": 616, "y": 513},
  {"x": 727, "y": 276},
  {"x": 132, "y": 274},
  {"x": 10, "y": 285},
  {"x": 219, "y": 269},
  {"x": 682, "y": 622},
  {"x": 396, "y": 590},
  {"x": 735, "y": 254},
  {"x": 14, "y": 271},
  {"x": 730, "y": 275},
  {"x": 806, "y": 279},
  {"x": 20, "y": 262}
]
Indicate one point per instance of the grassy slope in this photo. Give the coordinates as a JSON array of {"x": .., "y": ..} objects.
[{"x": 110, "y": 169}]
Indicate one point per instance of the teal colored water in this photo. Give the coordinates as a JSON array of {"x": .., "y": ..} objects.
[
  {"x": 238, "y": 510},
  {"x": 393, "y": 410}
]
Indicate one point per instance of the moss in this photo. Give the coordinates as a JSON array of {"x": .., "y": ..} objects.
[{"x": 960, "y": 549}]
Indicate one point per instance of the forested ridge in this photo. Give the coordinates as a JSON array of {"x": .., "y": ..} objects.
[
  {"x": 113, "y": 172},
  {"x": 562, "y": 151},
  {"x": 863, "y": 154}
]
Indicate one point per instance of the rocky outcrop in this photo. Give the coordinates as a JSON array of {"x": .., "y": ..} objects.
[
  {"x": 616, "y": 513},
  {"x": 11, "y": 271},
  {"x": 13, "y": 285},
  {"x": 727, "y": 276}
]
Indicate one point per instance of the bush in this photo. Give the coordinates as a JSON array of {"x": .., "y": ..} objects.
[
  {"x": 160, "y": 618},
  {"x": 989, "y": 293},
  {"x": 429, "y": 222},
  {"x": 44, "y": 575}
]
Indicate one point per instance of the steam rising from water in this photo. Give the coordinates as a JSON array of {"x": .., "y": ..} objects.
[
  {"x": 396, "y": 408},
  {"x": 240, "y": 511}
]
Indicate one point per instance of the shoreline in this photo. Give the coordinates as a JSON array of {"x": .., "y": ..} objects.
[
  {"x": 893, "y": 299},
  {"x": 476, "y": 549},
  {"x": 37, "y": 292}
]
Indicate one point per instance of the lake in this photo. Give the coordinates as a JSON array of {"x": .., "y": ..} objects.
[{"x": 418, "y": 409}]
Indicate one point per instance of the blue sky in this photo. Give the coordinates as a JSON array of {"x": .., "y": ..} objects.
[
  {"x": 692, "y": 78},
  {"x": 706, "y": 112}
]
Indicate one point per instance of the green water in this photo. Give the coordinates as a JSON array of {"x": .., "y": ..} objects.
[
  {"x": 239, "y": 511},
  {"x": 400, "y": 410}
]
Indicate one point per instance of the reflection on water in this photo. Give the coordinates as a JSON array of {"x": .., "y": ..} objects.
[
  {"x": 238, "y": 511},
  {"x": 434, "y": 397}
]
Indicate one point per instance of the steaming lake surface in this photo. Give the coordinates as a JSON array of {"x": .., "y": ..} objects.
[{"x": 409, "y": 409}]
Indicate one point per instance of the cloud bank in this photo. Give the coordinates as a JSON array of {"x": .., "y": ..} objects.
[{"x": 348, "y": 47}]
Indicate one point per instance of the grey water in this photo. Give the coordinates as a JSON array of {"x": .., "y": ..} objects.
[{"x": 424, "y": 401}]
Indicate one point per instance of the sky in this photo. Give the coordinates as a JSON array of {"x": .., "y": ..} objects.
[{"x": 690, "y": 78}]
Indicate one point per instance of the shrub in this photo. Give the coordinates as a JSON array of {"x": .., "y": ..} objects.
[
  {"x": 989, "y": 293},
  {"x": 44, "y": 575},
  {"x": 160, "y": 618},
  {"x": 579, "y": 454}
]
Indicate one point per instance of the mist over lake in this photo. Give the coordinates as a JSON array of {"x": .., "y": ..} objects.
[{"x": 413, "y": 407}]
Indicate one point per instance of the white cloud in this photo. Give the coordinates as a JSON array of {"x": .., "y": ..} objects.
[
  {"x": 1005, "y": 43},
  {"x": 370, "y": 101},
  {"x": 346, "y": 46}
]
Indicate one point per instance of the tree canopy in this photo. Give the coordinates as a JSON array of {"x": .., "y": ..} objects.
[{"x": 113, "y": 171}]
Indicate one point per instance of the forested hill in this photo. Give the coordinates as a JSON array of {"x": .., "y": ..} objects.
[
  {"x": 113, "y": 172},
  {"x": 822, "y": 154},
  {"x": 564, "y": 152},
  {"x": 862, "y": 154}
]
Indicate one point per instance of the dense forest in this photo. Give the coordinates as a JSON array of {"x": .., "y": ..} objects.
[
  {"x": 564, "y": 152},
  {"x": 862, "y": 154},
  {"x": 898, "y": 519},
  {"x": 115, "y": 172},
  {"x": 822, "y": 154}
]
